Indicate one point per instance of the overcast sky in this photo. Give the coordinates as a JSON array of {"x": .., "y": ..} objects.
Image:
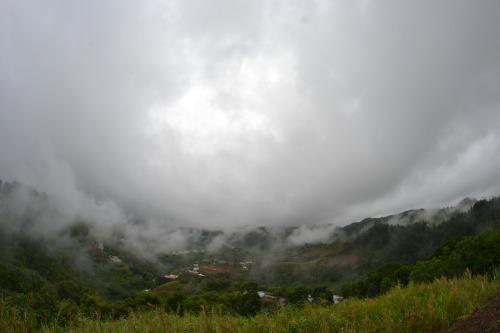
[{"x": 227, "y": 113}]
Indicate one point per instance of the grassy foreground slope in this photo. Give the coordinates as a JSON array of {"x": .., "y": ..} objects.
[{"x": 427, "y": 307}]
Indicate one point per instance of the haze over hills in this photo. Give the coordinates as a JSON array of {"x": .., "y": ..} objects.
[
  {"x": 201, "y": 150},
  {"x": 307, "y": 253},
  {"x": 52, "y": 262},
  {"x": 24, "y": 208}
]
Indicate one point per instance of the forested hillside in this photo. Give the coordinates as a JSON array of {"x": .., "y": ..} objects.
[{"x": 371, "y": 243}]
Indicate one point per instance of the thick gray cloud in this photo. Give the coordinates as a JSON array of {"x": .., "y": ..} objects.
[{"x": 252, "y": 112}]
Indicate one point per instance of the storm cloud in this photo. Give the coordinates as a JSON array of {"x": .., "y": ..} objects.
[{"x": 231, "y": 113}]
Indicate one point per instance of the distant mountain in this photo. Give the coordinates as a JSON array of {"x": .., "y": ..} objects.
[
  {"x": 23, "y": 207},
  {"x": 281, "y": 255}
]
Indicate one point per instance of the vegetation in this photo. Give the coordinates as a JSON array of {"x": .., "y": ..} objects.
[
  {"x": 478, "y": 254},
  {"x": 416, "y": 308},
  {"x": 396, "y": 277},
  {"x": 372, "y": 243}
]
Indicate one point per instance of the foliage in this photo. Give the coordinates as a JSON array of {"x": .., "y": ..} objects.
[
  {"x": 298, "y": 294},
  {"x": 379, "y": 280},
  {"x": 480, "y": 254},
  {"x": 372, "y": 243},
  {"x": 174, "y": 302},
  {"x": 428, "y": 307},
  {"x": 216, "y": 285},
  {"x": 77, "y": 285},
  {"x": 248, "y": 304}
]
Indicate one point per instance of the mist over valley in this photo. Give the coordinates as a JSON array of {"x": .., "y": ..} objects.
[{"x": 232, "y": 165}]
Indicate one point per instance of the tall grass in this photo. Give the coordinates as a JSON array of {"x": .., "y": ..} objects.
[{"x": 417, "y": 308}]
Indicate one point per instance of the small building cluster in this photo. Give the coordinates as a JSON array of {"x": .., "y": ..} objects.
[
  {"x": 114, "y": 259},
  {"x": 196, "y": 270},
  {"x": 244, "y": 265}
]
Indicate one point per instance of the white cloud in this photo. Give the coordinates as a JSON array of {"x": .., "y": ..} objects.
[{"x": 237, "y": 112}]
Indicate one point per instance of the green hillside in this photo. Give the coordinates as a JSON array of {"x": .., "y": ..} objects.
[
  {"x": 76, "y": 277},
  {"x": 370, "y": 244}
]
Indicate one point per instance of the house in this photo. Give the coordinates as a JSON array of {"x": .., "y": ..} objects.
[
  {"x": 265, "y": 297},
  {"x": 114, "y": 259},
  {"x": 337, "y": 299}
]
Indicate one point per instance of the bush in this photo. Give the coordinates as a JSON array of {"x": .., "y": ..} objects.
[
  {"x": 216, "y": 285},
  {"x": 248, "y": 304},
  {"x": 479, "y": 254},
  {"x": 145, "y": 298},
  {"x": 40, "y": 306},
  {"x": 174, "y": 302},
  {"x": 192, "y": 305}
]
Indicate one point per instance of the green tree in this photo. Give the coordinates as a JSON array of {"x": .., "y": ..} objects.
[
  {"x": 216, "y": 285},
  {"x": 174, "y": 302},
  {"x": 249, "y": 304},
  {"x": 298, "y": 294},
  {"x": 192, "y": 305}
]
